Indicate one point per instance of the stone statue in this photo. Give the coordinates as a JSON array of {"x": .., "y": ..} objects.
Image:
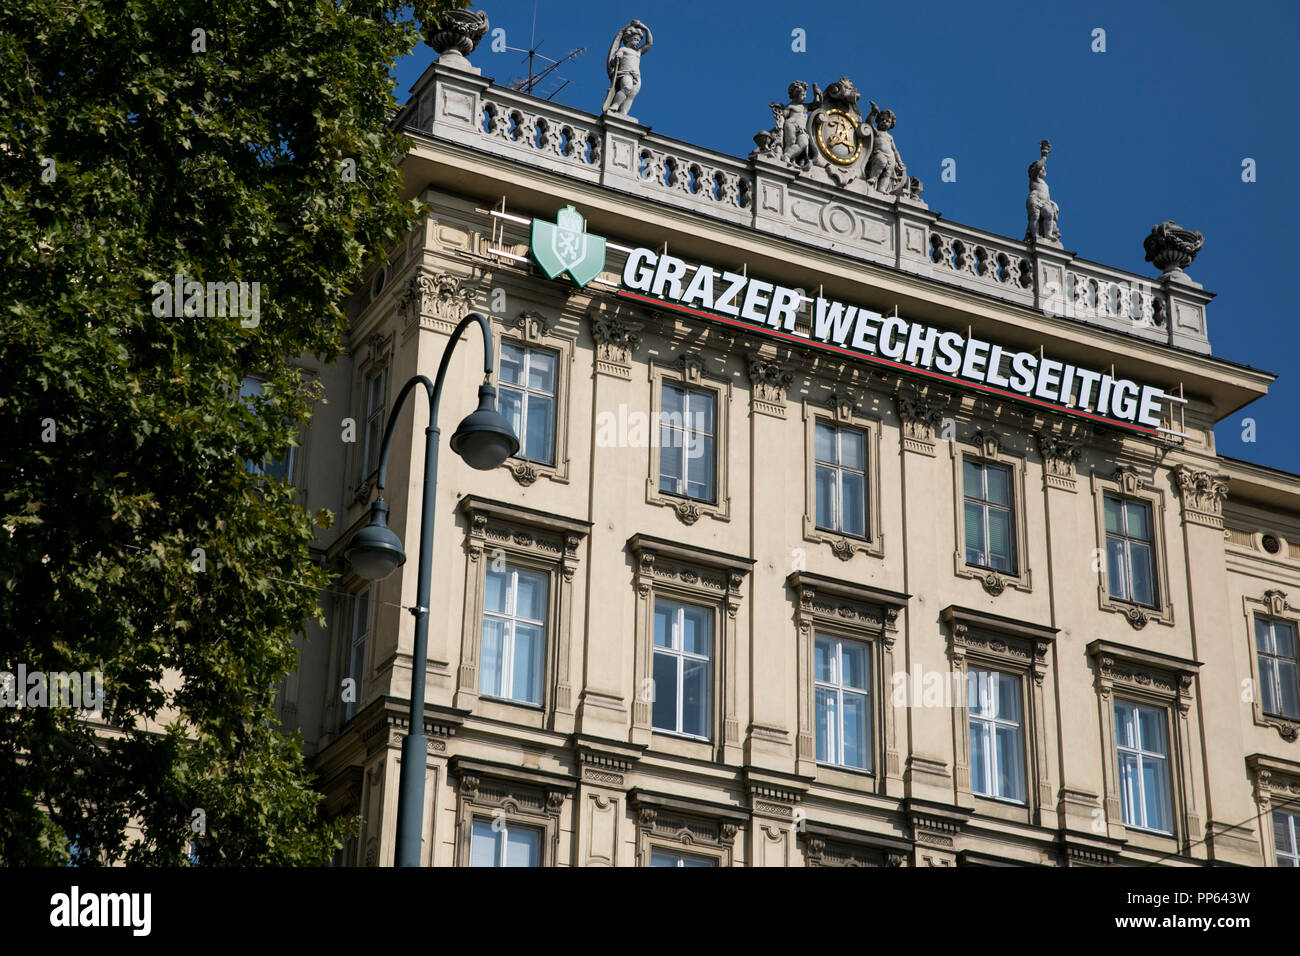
[
  {"x": 790, "y": 135},
  {"x": 1042, "y": 211},
  {"x": 885, "y": 170},
  {"x": 624, "y": 67},
  {"x": 1172, "y": 248},
  {"x": 457, "y": 34}
]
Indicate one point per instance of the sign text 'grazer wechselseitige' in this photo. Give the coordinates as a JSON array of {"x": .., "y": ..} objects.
[{"x": 914, "y": 346}]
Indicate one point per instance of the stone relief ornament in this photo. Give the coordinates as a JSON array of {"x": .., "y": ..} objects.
[
  {"x": 1043, "y": 213},
  {"x": 456, "y": 35},
  {"x": 1171, "y": 248},
  {"x": 623, "y": 64},
  {"x": 788, "y": 140}
]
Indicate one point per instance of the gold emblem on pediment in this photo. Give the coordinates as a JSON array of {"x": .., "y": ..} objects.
[{"x": 837, "y": 137}]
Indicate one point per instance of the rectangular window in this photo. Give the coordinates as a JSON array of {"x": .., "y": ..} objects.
[
  {"x": 1130, "y": 564},
  {"x": 672, "y": 858},
  {"x": 1141, "y": 741},
  {"x": 376, "y": 402},
  {"x": 997, "y": 744},
  {"x": 514, "y": 634},
  {"x": 1279, "y": 667},
  {"x": 842, "y": 681},
  {"x": 841, "y": 479},
  {"x": 493, "y": 844},
  {"x": 281, "y": 466},
  {"x": 1286, "y": 837},
  {"x": 683, "y": 669},
  {"x": 359, "y": 638},
  {"x": 989, "y": 519},
  {"x": 687, "y": 442},
  {"x": 527, "y": 390}
]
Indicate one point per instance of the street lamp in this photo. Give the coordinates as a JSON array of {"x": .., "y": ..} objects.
[{"x": 484, "y": 439}]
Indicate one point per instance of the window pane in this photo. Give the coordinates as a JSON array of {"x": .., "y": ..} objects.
[
  {"x": 664, "y": 614},
  {"x": 825, "y": 481},
  {"x": 824, "y": 660},
  {"x": 853, "y": 449},
  {"x": 1290, "y": 688},
  {"x": 699, "y": 467},
  {"x": 541, "y": 372},
  {"x": 1008, "y": 692},
  {"x": 856, "y": 736},
  {"x": 997, "y": 482},
  {"x": 1140, "y": 555},
  {"x": 539, "y": 434},
  {"x": 1268, "y": 698},
  {"x": 512, "y": 364},
  {"x": 660, "y": 858},
  {"x": 854, "y": 504},
  {"x": 530, "y": 596},
  {"x": 824, "y": 443},
  {"x": 696, "y": 861},
  {"x": 853, "y": 658},
  {"x": 1009, "y": 763},
  {"x": 974, "y": 533},
  {"x": 670, "y": 462},
  {"x": 1125, "y": 730},
  {"x": 1263, "y": 634},
  {"x": 972, "y": 479},
  {"x": 1151, "y": 724},
  {"x": 697, "y": 630},
  {"x": 511, "y": 403},
  {"x": 527, "y": 676},
  {"x": 1284, "y": 639},
  {"x": 999, "y": 539},
  {"x": 1114, "y": 515},
  {"x": 695, "y": 697},
  {"x": 1116, "y": 579},
  {"x": 1128, "y": 788},
  {"x": 973, "y": 692},
  {"x": 483, "y": 845},
  {"x": 699, "y": 408},
  {"x": 523, "y": 846},
  {"x": 979, "y": 743},
  {"x": 1139, "y": 525},
  {"x": 1155, "y": 790},
  {"x": 494, "y": 636},
  {"x": 665, "y": 692},
  {"x": 1282, "y": 823},
  {"x": 827, "y": 726},
  {"x": 671, "y": 401}
]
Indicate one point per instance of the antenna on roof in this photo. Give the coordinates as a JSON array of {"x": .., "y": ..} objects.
[{"x": 534, "y": 79}]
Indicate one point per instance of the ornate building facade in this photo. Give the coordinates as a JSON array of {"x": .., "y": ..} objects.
[{"x": 769, "y": 584}]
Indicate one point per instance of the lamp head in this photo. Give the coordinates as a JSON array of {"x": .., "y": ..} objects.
[
  {"x": 485, "y": 439},
  {"x": 375, "y": 551}
]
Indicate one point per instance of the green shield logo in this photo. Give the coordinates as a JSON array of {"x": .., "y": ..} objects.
[{"x": 563, "y": 246}]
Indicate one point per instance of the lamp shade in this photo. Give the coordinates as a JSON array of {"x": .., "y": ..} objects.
[
  {"x": 374, "y": 551},
  {"x": 485, "y": 439}
]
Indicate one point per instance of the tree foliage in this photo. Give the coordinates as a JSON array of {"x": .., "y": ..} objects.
[{"x": 130, "y": 153}]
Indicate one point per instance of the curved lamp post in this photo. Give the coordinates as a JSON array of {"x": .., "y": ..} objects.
[{"x": 484, "y": 439}]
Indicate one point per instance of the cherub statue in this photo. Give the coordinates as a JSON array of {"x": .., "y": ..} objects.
[
  {"x": 623, "y": 64},
  {"x": 885, "y": 171},
  {"x": 1042, "y": 211},
  {"x": 794, "y": 144}
]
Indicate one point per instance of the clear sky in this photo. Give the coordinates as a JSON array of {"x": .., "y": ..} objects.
[{"x": 1154, "y": 128}]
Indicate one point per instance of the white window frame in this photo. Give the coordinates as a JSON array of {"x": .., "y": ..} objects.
[
  {"x": 1292, "y": 820},
  {"x": 688, "y": 434},
  {"x": 526, "y": 391},
  {"x": 835, "y": 757},
  {"x": 1127, "y": 540},
  {"x": 985, "y": 505},
  {"x": 373, "y": 414},
  {"x": 500, "y": 837},
  {"x": 358, "y": 640},
  {"x": 989, "y": 726},
  {"x": 838, "y": 470},
  {"x": 681, "y": 656},
  {"x": 680, "y": 857},
  {"x": 1273, "y": 623},
  {"x": 1141, "y": 821},
  {"x": 510, "y": 617}
]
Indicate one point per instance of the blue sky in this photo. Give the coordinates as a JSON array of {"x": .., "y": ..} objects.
[{"x": 1154, "y": 128}]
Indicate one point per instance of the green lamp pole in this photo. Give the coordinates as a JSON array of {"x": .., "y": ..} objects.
[{"x": 484, "y": 439}]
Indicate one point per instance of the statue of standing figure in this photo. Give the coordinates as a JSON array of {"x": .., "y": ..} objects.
[
  {"x": 624, "y": 67},
  {"x": 885, "y": 171},
  {"x": 1042, "y": 211},
  {"x": 792, "y": 124}
]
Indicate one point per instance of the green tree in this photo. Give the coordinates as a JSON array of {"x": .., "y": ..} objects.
[{"x": 140, "y": 140}]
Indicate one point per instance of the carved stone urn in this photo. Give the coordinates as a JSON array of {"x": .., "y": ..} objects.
[
  {"x": 457, "y": 34},
  {"x": 1172, "y": 248}
]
